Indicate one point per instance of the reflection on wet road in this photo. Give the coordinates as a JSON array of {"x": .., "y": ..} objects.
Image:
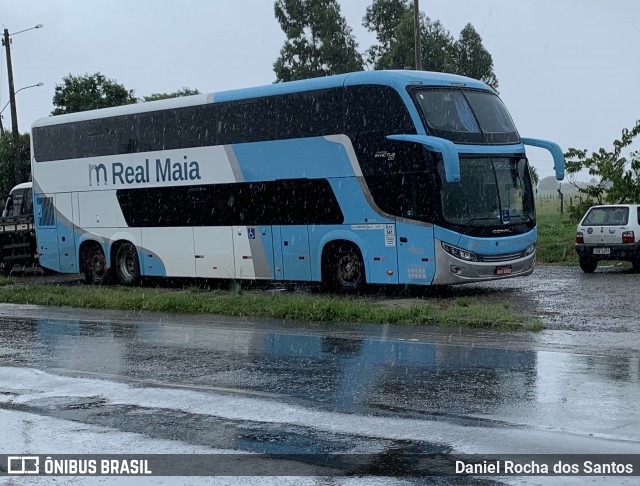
[
  {"x": 283, "y": 387},
  {"x": 350, "y": 375}
]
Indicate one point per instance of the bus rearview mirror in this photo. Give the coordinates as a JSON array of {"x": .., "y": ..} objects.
[
  {"x": 440, "y": 145},
  {"x": 556, "y": 153}
]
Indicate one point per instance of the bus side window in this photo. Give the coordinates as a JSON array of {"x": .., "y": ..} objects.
[
  {"x": 373, "y": 108},
  {"x": 310, "y": 114},
  {"x": 245, "y": 121}
]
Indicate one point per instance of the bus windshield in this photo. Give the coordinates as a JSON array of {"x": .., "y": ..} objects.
[
  {"x": 466, "y": 116},
  {"x": 492, "y": 192}
]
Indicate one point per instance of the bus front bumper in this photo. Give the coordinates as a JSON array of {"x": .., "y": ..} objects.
[{"x": 451, "y": 270}]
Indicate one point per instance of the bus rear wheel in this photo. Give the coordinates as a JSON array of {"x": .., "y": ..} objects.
[
  {"x": 127, "y": 264},
  {"x": 95, "y": 266},
  {"x": 345, "y": 269}
]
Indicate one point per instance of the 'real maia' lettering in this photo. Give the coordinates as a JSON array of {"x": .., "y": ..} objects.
[{"x": 162, "y": 171}]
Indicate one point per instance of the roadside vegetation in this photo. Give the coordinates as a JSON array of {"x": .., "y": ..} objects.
[
  {"x": 615, "y": 173},
  {"x": 304, "y": 306},
  {"x": 556, "y": 234}
]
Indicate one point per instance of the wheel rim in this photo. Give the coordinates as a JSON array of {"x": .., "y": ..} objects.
[
  {"x": 97, "y": 265},
  {"x": 128, "y": 263},
  {"x": 349, "y": 272}
]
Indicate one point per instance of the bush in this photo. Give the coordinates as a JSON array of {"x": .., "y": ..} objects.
[{"x": 577, "y": 211}]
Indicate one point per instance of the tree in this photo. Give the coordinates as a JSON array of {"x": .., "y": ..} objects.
[
  {"x": 319, "y": 41},
  {"x": 175, "y": 94},
  {"x": 89, "y": 92},
  {"x": 7, "y": 165},
  {"x": 618, "y": 177},
  {"x": 472, "y": 59},
  {"x": 392, "y": 21},
  {"x": 535, "y": 178},
  {"x": 384, "y": 17}
]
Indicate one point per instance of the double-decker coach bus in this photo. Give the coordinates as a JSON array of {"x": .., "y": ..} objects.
[{"x": 376, "y": 177}]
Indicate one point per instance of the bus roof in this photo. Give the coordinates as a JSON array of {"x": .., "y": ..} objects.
[{"x": 397, "y": 79}]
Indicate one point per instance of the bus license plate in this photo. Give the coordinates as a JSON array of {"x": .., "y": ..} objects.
[
  {"x": 504, "y": 270},
  {"x": 601, "y": 251}
]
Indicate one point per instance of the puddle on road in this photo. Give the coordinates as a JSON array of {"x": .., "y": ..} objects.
[{"x": 346, "y": 454}]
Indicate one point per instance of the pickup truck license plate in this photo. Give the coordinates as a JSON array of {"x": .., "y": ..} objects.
[
  {"x": 504, "y": 270},
  {"x": 601, "y": 251}
]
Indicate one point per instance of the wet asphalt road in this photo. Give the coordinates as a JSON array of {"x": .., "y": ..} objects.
[
  {"x": 568, "y": 299},
  {"x": 286, "y": 387}
]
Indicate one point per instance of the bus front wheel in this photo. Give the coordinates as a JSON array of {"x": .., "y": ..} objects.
[
  {"x": 95, "y": 266},
  {"x": 345, "y": 269},
  {"x": 127, "y": 264}
]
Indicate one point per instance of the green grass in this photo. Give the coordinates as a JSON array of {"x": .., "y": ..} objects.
[
  {"x": 556, "y": 234},
  {"x": 467, "y": 312}
]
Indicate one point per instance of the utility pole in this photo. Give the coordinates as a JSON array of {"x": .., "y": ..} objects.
[
  {"x": 14, "y": 112},
  {"x": 416, "y": 32}
]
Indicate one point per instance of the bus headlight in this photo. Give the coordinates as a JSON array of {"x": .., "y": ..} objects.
[
  {"x": 460, "y": 253},
  {"x": 530, "y": 249}
]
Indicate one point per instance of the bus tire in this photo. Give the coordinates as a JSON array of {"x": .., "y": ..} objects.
[
  {"x": 95, "y": 266},
  {"x": 588, "y": 265},
  {"x": 127, "y": 264},
  {"x": 345, "y": 268}
]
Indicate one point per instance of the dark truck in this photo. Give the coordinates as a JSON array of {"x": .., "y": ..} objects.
[{"x": 17, "y": 231}]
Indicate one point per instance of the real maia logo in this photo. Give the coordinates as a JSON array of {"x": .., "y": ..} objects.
[{"x": 162, "y": 171}]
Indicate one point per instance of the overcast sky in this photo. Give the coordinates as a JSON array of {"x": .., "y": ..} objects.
[{"x": 567, "y": 69}]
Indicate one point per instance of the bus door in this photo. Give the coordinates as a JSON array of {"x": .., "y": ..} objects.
[
  {"x": 65, "y": 226},
  {"x": 416, "y": 256},
  {"x": 253, "y": 252},
  {"x": 291, "y": 252},
  {"x": 214, "y": 252},
  {"x": 56, "y": 243}
]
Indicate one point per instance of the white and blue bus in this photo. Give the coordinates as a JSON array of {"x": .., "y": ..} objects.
[{"x": 382, "y": 177}]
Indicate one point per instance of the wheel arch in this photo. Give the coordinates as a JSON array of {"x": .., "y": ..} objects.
[
  {"x": 330, "y": 248},
  {"x": 86, "y": 243},
  {"x": 336, "y": 238}
]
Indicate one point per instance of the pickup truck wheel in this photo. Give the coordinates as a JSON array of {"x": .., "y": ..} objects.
[
  {"x": 588, "y": 265},
  {"x": 127, "y": 264},
  {"x": 95, "y": 266},
  {"x": 636, "y": 264}
]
